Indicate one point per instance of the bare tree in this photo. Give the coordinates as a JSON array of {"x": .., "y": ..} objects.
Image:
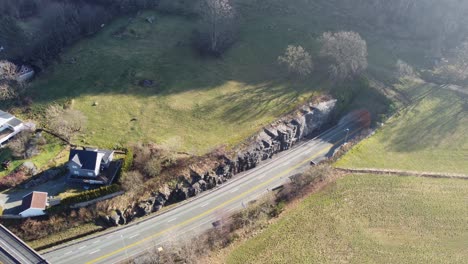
[
  {"x": 133, "y": 182},
  {"x": 297, "y": 60},
  {"x": 348, "y": 52},
  {"x": 217, "y": 31},
  {"x": 65, "y": 122},
  {"x": 404, "y": 69}
]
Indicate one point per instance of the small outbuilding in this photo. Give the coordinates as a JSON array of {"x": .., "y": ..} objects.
[
  {"x": 9, "y": 126},
  {"x": 34, "y": 204}
]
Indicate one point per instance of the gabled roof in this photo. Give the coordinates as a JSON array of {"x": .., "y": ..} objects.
[
  {"x": 36, "y": 200},
  {"x": 14, "y": 122},
  {"x": 87, "y": 159},
  {"x": 5, "y": 117}
]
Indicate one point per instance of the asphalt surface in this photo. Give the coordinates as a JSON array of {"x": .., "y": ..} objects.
[
  {"x": 198, "y": 215},
  {"x": 13, "y": 250}
]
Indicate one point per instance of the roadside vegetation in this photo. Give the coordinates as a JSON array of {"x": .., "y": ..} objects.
[{"x": 368, "y": 218}]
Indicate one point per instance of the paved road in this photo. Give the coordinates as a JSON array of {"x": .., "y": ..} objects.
[
  {"x": 199, "y": 214},
  {"x": 13, "y": 250}
]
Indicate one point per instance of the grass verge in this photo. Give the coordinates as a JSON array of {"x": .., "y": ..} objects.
[
  {"x": 65, "y": 236},
  {"x": 369, "y": 219}
]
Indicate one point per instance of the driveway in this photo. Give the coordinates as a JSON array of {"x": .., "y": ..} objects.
[{"x": 10, "y": 200}]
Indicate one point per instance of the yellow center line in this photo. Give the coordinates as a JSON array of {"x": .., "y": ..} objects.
[{"x": 324, "y": 150}]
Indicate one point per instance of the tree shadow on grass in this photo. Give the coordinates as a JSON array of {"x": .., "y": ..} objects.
[{"x": 428, "y": 128}]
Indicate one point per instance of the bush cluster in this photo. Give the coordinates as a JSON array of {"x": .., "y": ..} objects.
[{"x": 13, "y": 179}]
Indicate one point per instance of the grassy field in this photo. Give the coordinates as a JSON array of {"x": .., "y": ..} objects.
[
  {"x": 369, "y": 219},
  {"x": 429, "y": 135},
  {"x": 197, "y": 102}
]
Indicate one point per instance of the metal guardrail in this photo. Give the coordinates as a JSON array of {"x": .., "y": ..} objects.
[{"x": 14, "y": 250}]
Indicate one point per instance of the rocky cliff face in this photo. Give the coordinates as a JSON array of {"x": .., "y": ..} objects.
[
  {"x": 276, "y": 137},
  {"x": 284, "y": 133}
]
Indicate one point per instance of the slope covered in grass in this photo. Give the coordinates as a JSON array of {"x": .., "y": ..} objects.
[
  {"x": 369, "y": 219},
  {"x": 429, "y": 135},
  {"x": 197, "y": 102}
]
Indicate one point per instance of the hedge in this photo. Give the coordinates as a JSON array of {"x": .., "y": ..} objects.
[
  {"x": 90, "y": 195},
  {"x": 128, "y": 160}
]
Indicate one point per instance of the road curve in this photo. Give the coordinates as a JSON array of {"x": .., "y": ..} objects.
[{"x": 197, "y": 215}]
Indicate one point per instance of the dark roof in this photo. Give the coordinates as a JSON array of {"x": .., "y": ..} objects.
[
  {"x": 107, "y": 154},
  {"x": 14, "y": 122},
  {"x": 34, "y": 200},
  {"x": 5, "y": 115},
  {"x": 87, "y": 159}
]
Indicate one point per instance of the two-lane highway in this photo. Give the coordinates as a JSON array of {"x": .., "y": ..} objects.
[{"x": 198, "y": 214}]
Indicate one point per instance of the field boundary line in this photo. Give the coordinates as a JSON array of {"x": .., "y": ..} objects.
[{"x": 405, "y": 173}]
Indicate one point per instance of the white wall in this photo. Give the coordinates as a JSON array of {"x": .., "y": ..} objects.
[{"x": 32, "y": 212}]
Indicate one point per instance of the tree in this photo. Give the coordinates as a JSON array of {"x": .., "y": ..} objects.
[
  {"x": 65, "y": 122},
  {"x": 7, "y": 70},
  {"x": 8, "y": 83},
  {"x": 297, "y": 60},
  {"x": 24, "y": 145},
  {"x": 348, "y": 52},
  {"x": 217, "y": 31},
  {"x": 7, "y": 90},
  {"x": 404, "y": 69}
]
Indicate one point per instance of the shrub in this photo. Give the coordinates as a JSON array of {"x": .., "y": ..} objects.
[
  {"x": 90, "y": 195},
  {"x": 13, "y": 179},
  {"x": 128, "y": 160}
]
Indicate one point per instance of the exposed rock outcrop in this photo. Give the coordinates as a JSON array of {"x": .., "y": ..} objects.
[
  {"x": 284, "y": 133},
  {"x": 277, "y": 137}
]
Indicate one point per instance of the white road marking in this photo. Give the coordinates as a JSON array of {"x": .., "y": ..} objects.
[
  {"x": 96, "y": 241},
  {"x": 261, "y": 177},
  {"x": 82, "y": 247},
  {"x": 205, "y": 205},
  {"x": 12, "y": 250},
  {"x": 134, "y": 236},
  {"x": 95, "y": 251},
  {"x": 68, "y": 253},
  {"x": 173, "y": 219},
  {"x": 235, "y": 190}
]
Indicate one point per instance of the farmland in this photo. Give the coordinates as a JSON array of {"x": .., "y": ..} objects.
[
  {"x": 428, "y": 135},
  {"x": 369, "y": 219}
]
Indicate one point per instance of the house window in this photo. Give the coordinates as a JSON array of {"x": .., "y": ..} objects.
[
  {"x": 75, "y": 167},
  {"x": 75, "y": 172},
  {"x": 90, "y": 174}
]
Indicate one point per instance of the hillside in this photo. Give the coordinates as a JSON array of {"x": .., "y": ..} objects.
[{"x": 194, "y": 101}]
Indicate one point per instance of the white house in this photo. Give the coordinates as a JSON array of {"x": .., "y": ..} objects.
[
  {"x": 9, "y": 126},
  {"x": 34, "y": 204},
  {"x": 89, "y": 162}
]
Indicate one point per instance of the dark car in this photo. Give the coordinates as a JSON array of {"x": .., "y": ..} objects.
[{"x": 312, "y": 163}]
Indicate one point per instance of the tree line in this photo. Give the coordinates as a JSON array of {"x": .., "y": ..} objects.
[{"x": 55, "y": 24}]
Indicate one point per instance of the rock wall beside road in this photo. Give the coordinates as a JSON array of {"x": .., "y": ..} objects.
[{"x": 274, "y": 138}]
